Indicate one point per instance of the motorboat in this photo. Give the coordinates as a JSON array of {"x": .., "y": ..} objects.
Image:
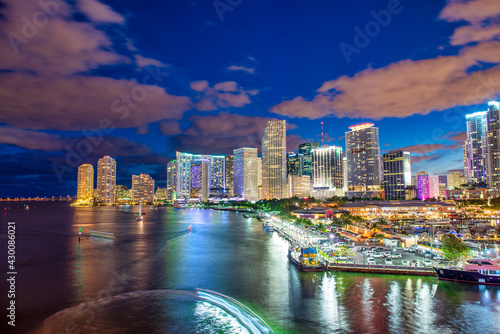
[{"x": 477, "y": 271}]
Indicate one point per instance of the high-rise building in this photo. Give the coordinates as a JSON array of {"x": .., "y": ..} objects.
[
  {"x": 327, "y": 168},
  {"x": 229, "y": 175},
  {"x": 200, "y": 179},
  {"x": 397, "y": 174},
  {"x": 428, "y": 186},
  {"x": 294, "y": 163},
  {"x": 454, "y": 179},
  {"x": 245, "y": 173},
  {"x": 363, "y": 161},
  {"x": 216, "y": 170},
  {"x": 85, "y": 185},
  {"x": 259, "y": 178},
  {"x": 106, "y": 180},
  {"x": 305, "y": 153},
  {"x": 143, "y": 188},
  {"x": 491, "y": 148},
  {"x": 274, "y": 178},
  {"x": 217, "y": 165},
  {"x": 161, "y": 194},
  {"x": 299, "y": 185},
  {"x": 172, "y": 180},
  {"x": 474, "y": 156}
]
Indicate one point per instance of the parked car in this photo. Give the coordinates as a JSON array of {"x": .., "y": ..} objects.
[
  {"x": 405, "y": 262},
  {"x": 340, "y": 244},
  {"x": 387, "y": 254},
  {"x": 414, "y": 263},
  {"x": 388, "y": 261},
  {"x": 427, "y": 262},
  {"x": 378, "y": 254},
  {"x": 396, "y": 256},
  {"x": 371, "y": 261}
]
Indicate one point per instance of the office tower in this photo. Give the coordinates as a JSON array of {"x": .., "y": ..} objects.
[
  {"x": 397, "y": 174},
  {"x": 363, "y": 161},
  {"x": 305, "y": 154},
  {"x": 245, "y": 173},
  {"x": 229, "y": 175},
  {"x": 474, "y": 165},
  {"x": 274, "y": 178},
  {"x": 85, "y": 184},
  {"x": 106, "y": 180},
  {"x": 344, "y": 172},
  {"x": 454, "y": 179},
  {"x": 122, "y": 194},
  {"x": 200, "y": 179},
  {"x": 299, "y": 186},
  {"x": 172, "y": 180},
  {"x": 327, "y": 168},
  {"x": 492, "y": 148},
  {"x": 293, "y": 163},
  {"x": 143, "y": 188}
]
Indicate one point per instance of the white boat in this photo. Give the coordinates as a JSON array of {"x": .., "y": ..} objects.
[{"x": 139, "y": 217}]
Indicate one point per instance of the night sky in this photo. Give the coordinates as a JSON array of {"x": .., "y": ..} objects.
[{"x": 138, "y": 80}]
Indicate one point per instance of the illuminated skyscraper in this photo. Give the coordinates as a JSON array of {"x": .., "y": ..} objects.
[
  {"x": 327, "y": 168},
  {"x": 216, "y": 172},
  {"x": 200, "y": 179},
  {"x": 143, "y": 188},
  {"x": 184, "y": 160},
  {"x": 363, "y": 161},
  {"x": 474, "y": 157},
  {"x": 106, "y": 180},
  {"x": 217, "y": 165},
  {"x": 491, "y": 148},
  {"x": 229, "y": 175},
  {"x": 274, "y": 173},
  {"x": 245, "y": 173},
  {"x": 428, "y": 186},
  {"x": 305, "y": 154},
  {"x": 85, "y": 185},
  {"x": 172, "y": 180},
  {"x": 294, "y": 163},
  {"x": 397, "y": 174}
]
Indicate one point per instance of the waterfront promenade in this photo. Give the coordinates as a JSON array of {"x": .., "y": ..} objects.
[{"x": 300, "y": 236}]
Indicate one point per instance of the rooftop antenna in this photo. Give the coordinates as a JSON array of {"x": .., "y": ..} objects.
[{"x": 322, "y": 134}]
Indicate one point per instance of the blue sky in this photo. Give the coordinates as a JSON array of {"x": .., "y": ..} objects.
[{"x": 139, "y": 80}]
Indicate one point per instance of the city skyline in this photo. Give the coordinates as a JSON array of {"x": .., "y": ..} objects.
[{"x": 105, "y": 79}]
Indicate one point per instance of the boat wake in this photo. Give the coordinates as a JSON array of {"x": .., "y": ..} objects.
[{"x": 172, "y": 311}]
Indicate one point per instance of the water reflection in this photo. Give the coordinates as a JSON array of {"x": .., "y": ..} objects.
[{"x": 227, "y": 253}]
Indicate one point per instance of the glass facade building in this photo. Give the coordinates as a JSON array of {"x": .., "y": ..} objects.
[
  {"x": 363, "y": 161},
  {"x": 85, "y": 183},
  {"x": 245, "y": 173},
  {"x": 397, "y": 174},
  {"x": 327, "y": 172},
  {"x": 274, "y": 171}
]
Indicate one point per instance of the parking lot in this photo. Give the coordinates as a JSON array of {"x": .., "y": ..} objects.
[{"x": 397, "y": 256}]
